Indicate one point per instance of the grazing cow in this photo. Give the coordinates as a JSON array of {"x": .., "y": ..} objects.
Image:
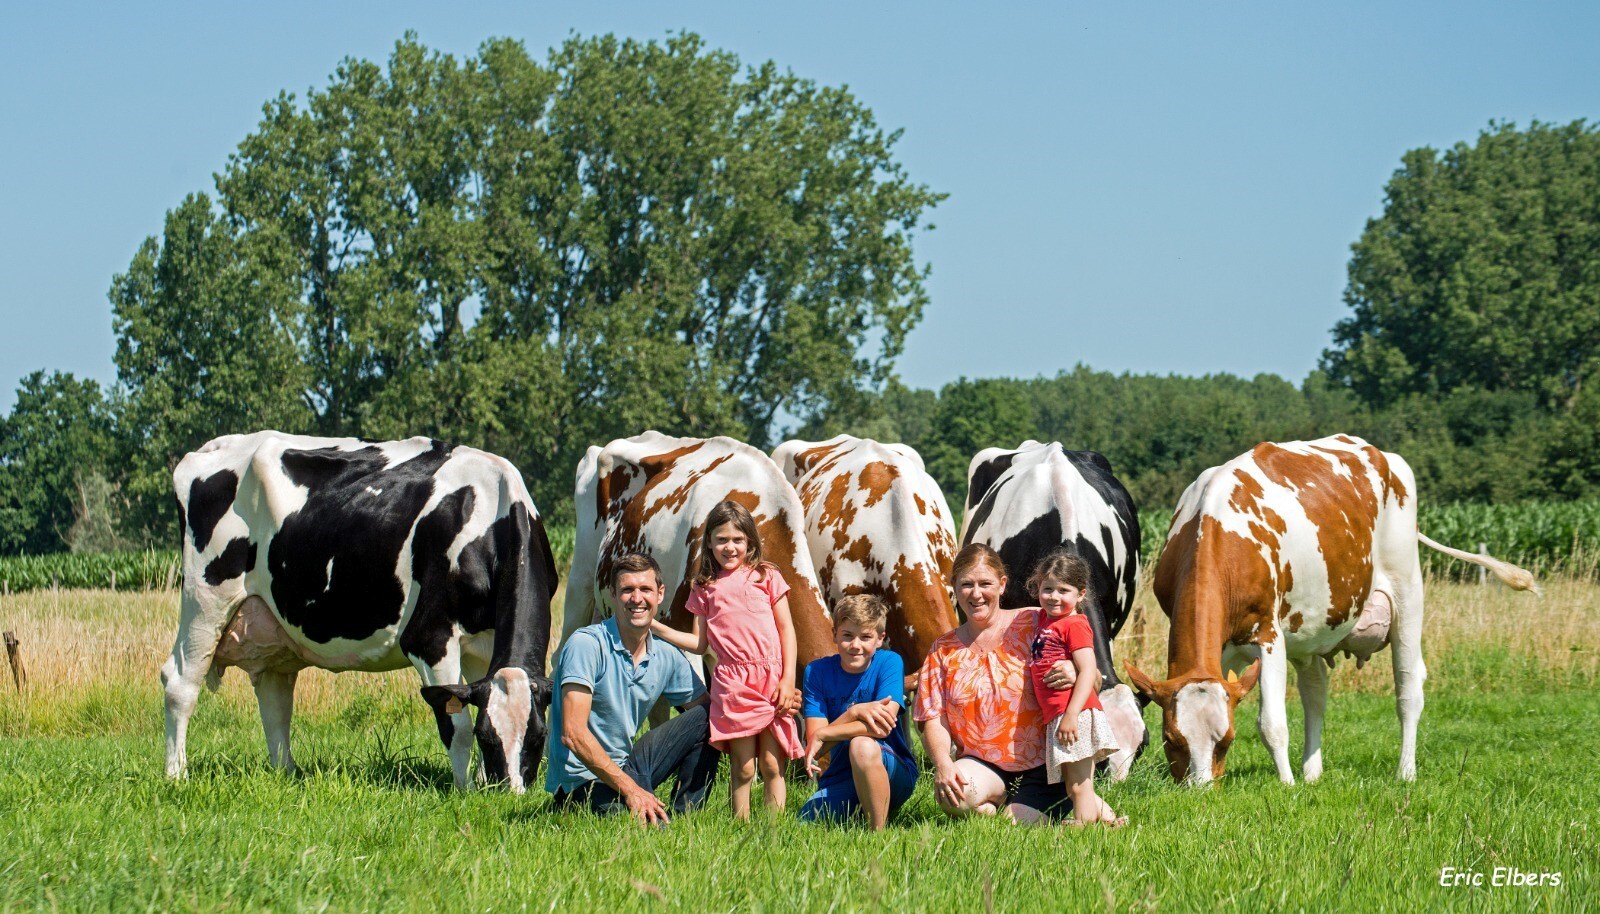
[
  {"x": 1027, "y": 502},
  {"x": 1288, "y": 554},
  {"x": 358, "y": 555},
  {"x": 651, "y": 494},
  {"x": 877, "y": 523}
]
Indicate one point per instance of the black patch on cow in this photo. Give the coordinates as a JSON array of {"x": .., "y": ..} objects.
[
  {"x": 235, "y": 559},
  {"x": 444, "y": 596},
  {"x": 984, "y": 477},
  {"x": 209, "y": 500},
  {"x": 356, "y": 517}
]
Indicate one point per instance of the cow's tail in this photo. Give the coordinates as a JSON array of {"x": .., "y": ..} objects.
[{"x": 1512, "y": 576}]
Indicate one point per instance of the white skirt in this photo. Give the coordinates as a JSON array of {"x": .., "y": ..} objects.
[{"x": 1095, "y": 742}]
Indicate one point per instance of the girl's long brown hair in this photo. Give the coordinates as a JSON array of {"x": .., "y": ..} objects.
[
  {"x": 1062, "y": 565},
  {"x": 728, "y": 512}
]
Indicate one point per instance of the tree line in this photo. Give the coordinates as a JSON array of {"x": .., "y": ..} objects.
[{"x": 535, "y": 256}]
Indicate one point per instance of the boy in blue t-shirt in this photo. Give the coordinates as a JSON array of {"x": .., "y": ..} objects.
[{"x": 853, "y": 699}]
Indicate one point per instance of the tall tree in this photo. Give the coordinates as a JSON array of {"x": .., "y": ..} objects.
[
  {"x": 53, "y": 446},
  {"x": 1483, "y": 271},
  {"x": 538, "y": 257}
]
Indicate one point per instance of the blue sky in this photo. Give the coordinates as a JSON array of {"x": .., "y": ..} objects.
[{"x": 1145, "y": 187}]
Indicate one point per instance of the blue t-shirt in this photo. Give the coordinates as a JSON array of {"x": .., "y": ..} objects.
[
  {"x": 830, "y": 691},
  {"x": 622, "y": 695}
]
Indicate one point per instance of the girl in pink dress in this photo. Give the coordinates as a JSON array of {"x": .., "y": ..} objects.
[{"x": 741, "y": 612}]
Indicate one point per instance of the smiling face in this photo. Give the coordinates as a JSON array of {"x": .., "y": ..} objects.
[
  {"x": 638, "y": 596},
  {"x": 729, "y": 546},
  {"x": 1058, "y": 598},
  {"x": 978, "y": 591},
  {"x": 856, "y": 643}
]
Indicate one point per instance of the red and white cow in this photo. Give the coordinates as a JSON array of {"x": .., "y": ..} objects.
[
  {"x": 1288, "y": 554},
  {"x": 877, "y": 523},
  {"x": 651, "y": 493}
]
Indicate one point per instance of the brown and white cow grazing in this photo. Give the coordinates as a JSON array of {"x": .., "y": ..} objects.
[
  {"x": 877, "y": 523},
  {"x": 1289, "y": 554},
  {"x": 651, "y": 493}
]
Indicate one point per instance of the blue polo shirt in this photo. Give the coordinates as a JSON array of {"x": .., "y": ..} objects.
[
  {"x": 830, "y": 691},
  {"x": 623, "y": 695}
]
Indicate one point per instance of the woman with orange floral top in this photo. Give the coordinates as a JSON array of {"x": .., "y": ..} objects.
[{"x": 981, "y": 724}]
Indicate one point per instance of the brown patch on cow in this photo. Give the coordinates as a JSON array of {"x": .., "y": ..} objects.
[
  {"x": 922, "y": 506},
  {"x": 1217, "y": 588},
  {"x": 809, "y": 458},
  {"x": 1342, "y": 509},
  {"x": 813, "y": 634},
  {"x": 1295, "y": 619},
  {"x": 671, "y": 502},
  {"x": 921, "y": 600},
  {"x": 876, "y": 480}
]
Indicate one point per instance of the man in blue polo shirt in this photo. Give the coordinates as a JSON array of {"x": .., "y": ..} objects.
[{"x": 608, "y": 676}]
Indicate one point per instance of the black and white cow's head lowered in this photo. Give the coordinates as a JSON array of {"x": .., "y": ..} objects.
[
  {"x": 360, "y": 555},
  {"x": 1027, "y": 502}
]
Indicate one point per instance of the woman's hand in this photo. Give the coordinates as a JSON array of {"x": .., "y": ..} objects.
[
  {"x": 949, "y": 784},
  {"x": 1061, "y": 676},
  {"x": 1067, "y": 730}
]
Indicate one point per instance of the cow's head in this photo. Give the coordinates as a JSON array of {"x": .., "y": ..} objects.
[
  {"x": 1196, "y": 719},
  {"x": 510, "y": 727}
]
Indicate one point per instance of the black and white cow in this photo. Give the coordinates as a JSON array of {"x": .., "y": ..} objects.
[
  {"x": 358, "y": 555},
  {"x": 1030, "y": 501}
]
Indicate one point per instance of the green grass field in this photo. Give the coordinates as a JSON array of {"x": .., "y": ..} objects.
[{"x": 1507, "y": 777}]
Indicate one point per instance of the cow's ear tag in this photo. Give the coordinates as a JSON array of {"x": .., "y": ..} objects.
[
  {"x": 1233, "y": 676},
  {"x": 453, "y": 706}
]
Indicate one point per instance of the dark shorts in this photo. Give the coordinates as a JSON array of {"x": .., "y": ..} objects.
[{"x": 1032, "y": 788}]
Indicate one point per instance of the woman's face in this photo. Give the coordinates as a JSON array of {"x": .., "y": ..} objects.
[
  {"x": 729, "y": 546},
  {"x": 978, "y": 591},
  {"x": 1058, "y": 598}
]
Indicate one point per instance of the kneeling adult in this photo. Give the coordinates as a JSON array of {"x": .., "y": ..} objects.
[{"x": 609, "y": 675}]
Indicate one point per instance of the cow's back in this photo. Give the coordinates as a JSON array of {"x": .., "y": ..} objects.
[{"x": 877, "y": 523}]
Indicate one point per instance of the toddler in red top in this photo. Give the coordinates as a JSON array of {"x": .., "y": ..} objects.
[{"x": 1078, "y": 733}]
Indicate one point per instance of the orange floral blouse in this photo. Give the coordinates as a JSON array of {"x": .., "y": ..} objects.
[{"x": 985, "y": 696}]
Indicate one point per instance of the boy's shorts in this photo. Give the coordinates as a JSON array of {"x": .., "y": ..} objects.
[{"x": 839, "y": 800}]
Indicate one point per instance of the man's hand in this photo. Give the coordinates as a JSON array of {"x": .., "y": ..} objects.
[
  {"x": 879, "y": 717},
  {"x": 645, "y": 806}
]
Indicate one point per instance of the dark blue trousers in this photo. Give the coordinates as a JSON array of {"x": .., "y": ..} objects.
[{"x": 680, "y": 748}]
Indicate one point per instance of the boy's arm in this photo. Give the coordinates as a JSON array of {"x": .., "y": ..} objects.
[
  {"x": 859, "y": 720},
  {"x": 693, "y": 641}
]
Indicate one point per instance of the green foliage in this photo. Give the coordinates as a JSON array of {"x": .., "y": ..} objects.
[
  {"x": 55, "y": 441},
  {"x": 526, "y": 257},
  {"x": 1483, "y": 271},
  {"x": 146, "y": 570}
]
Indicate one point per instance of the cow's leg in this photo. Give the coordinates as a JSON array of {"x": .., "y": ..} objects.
[
  {"x": 455, "y": 729},
  {"x": 201, "y": 620},
  {"x": 1274, "y": 721},
  {"x": 1311, "y": 675},
  {"x": 275, "y": 698},
  {"x": 473, "y": 668},
  {"x": 1410, "y": 672}
]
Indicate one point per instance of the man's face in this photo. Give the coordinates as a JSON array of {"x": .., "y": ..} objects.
[{"x": 638, "y": 595}]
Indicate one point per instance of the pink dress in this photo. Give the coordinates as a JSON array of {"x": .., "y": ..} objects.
[{"x": 742, "y": 630}]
